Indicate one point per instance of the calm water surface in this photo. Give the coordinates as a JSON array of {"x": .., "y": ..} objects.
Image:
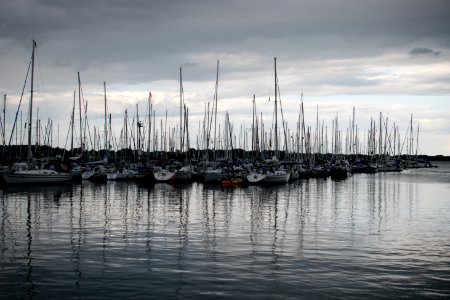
[{"x": 369, "y": 236}]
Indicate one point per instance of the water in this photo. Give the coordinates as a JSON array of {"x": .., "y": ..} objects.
[{"x": 369, "y": 236}]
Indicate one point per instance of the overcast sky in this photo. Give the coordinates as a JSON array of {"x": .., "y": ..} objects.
[{"x": 379, "y": 56}]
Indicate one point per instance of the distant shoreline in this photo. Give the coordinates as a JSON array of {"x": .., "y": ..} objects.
[
  {"x": 12, "y": 153},
  {"x": 436, "y": 157}
]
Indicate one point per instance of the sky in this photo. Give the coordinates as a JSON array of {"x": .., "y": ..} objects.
[{"x": 390, "y": 57}]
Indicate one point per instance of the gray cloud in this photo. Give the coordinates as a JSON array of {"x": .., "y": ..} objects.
[
  {"x": 145, "y": 41},
  {"x": 424, "y": 51}
]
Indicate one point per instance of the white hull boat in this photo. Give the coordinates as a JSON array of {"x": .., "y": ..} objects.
[
  {"x": 41, "y": 176},
  {"x": 276, "y": 177},
  {"x": 163, "y": 176},
  {"x": 255, "y": 178},
  {"x": 122, "y": 175},
  {"x": 21, "y": 173}
]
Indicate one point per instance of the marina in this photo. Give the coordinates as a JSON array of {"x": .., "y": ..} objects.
[
  {"x": 268, "y": 157},
  {"x": 231, "y": 149}
]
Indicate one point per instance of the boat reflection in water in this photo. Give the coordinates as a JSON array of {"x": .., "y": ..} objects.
[{"x": 372, "y": 234}]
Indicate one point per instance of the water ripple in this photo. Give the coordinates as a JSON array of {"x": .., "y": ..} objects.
[{"x": 380, "y": 236}]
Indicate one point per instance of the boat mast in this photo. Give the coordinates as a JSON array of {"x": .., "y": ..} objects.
[
  {"x": 253, "y": 130},
  {"x": 304, "y": 151},
  {"x": 155, "y": 139},
  {"x": 106, "y": 122},
  {"x": 149, "y": 121},
  {"x": 125, "y": 140},
  {"x": 73, "y": 119},
  {"x": 30, "y": 154},
  {"x": 215, "y": 107},
  {"x": 417, "y": 139},
  {"x": 81, "y": 119},
  {"x": 138, "y": 132},
  {"x": 186, "y": 129},
  {"x": 4, "y": 127},
  {"x": 353, "y": 136},
  {"x": 276, "y": 112},
  {"x": 181, "y": 110}
]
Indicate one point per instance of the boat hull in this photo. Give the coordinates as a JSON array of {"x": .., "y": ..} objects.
[
  {"x": 183, "y": 176},
  {"x": 212, "y": 176},
  {"x": 121, "y": 176},
  {"x": 234, "y": 182},
  {"x": 37, "y": 177},
  {"x": 94, "y": 176},
  {"x": 255, "y": 178},
  {"x": 164, "y": 176},
  {"x": 338, "y": 174},
  {"x": 276, "y": 178}
]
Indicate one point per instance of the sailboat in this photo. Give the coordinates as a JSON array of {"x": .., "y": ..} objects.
[
  {"x": 276, "y": 177},
  {"x": 340, "y": 169},
  {"x": 272, "y": 175},
  {"x": 255, "y": 177},
  {"x": 122, "y": 172},
  {"x": 28, "y": 173},
  {"x": 98, "y": 171},
  {"x": 183, "y": 174},
  {"x": 163, "y": 175}
]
